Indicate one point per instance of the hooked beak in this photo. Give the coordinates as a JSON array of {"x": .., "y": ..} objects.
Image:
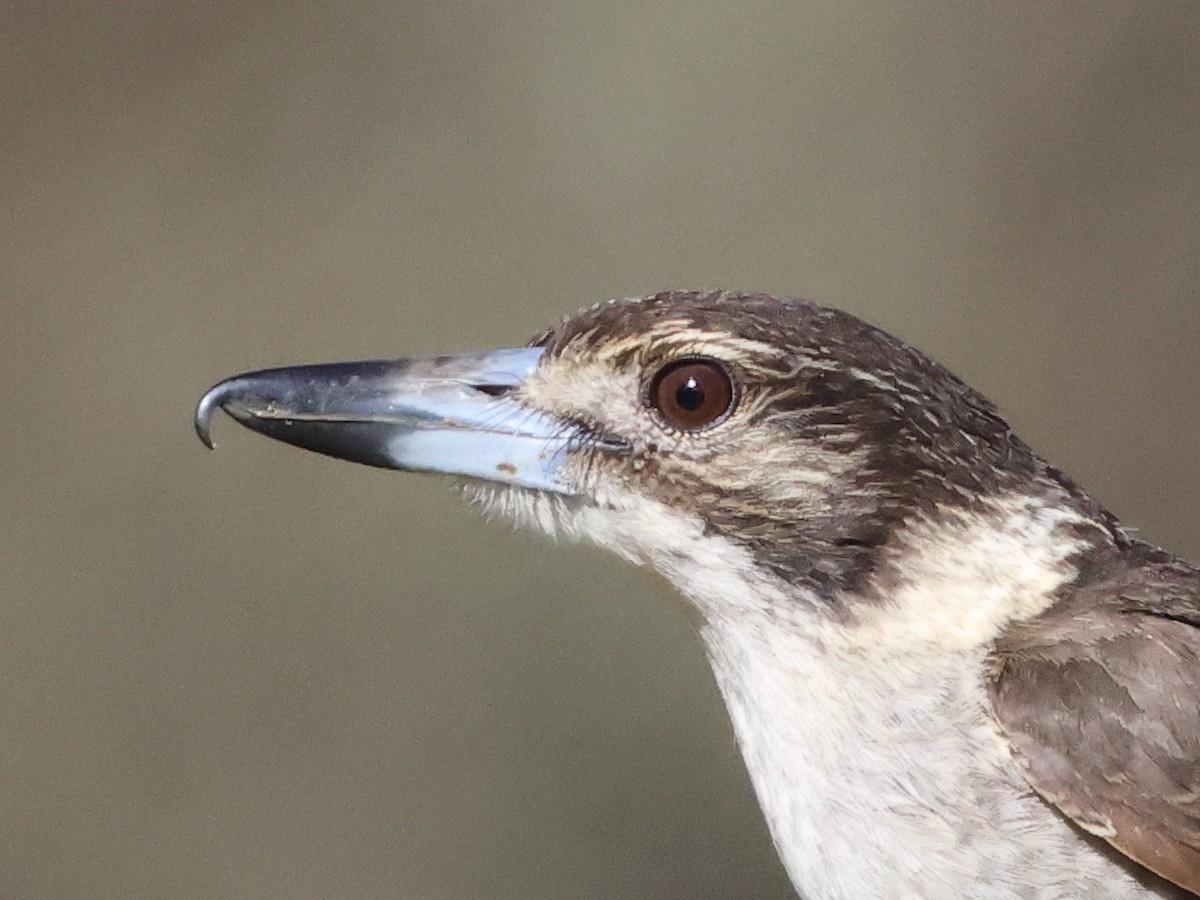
[{"x": 452, "y": 414}]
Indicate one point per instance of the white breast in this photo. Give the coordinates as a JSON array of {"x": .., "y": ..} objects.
[{"x": 887, "y": 780}]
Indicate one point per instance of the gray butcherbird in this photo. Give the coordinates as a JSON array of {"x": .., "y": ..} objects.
[{"x": 950, "y": 671}]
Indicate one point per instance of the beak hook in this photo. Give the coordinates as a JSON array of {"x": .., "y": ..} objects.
[{"x": 214, "y": 398}]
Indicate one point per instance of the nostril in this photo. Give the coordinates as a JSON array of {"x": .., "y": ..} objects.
[{"x": 494, "y": 390}]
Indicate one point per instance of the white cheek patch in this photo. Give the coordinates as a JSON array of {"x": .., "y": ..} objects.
[{"x": 962, "y": 578}]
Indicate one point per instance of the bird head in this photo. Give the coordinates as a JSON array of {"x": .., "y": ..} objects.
[{"x": 694, "y": 432}]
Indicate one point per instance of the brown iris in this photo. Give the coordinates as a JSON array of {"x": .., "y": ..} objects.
[{"x": 692, "y": 393}]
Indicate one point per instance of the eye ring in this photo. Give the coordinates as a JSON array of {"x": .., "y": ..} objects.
[{"x": 692, "y": 394}]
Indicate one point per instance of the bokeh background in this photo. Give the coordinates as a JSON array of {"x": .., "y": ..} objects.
[{"x": 259, "y": 673}]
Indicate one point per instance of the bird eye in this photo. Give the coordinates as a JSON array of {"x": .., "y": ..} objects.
[{"x": 692, "y": 393}]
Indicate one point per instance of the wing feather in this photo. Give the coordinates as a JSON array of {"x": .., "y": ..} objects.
[{"x": 1099, "y": 698}]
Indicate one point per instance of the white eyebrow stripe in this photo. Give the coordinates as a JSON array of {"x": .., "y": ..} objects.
[
  {"x": 679, "y": 337},
  {"x": 871, "y": 378}
]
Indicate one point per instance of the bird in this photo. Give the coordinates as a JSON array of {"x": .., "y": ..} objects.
[{"x": 949, "y": 670}]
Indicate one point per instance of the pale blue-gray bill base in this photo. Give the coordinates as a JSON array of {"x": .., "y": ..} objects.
[{"x": 950, "y": 671}]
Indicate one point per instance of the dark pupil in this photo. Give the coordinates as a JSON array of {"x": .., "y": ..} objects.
[{"x": 690, "y": 395}]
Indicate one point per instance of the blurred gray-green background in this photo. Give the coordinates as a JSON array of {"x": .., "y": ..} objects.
[{"x": 259, "y": 673}]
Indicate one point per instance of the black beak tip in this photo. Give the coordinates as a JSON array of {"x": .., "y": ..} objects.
[{"x": 213, "y": 399}]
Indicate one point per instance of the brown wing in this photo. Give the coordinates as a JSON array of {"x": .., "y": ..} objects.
[{"x": 1100, "y": 699}]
